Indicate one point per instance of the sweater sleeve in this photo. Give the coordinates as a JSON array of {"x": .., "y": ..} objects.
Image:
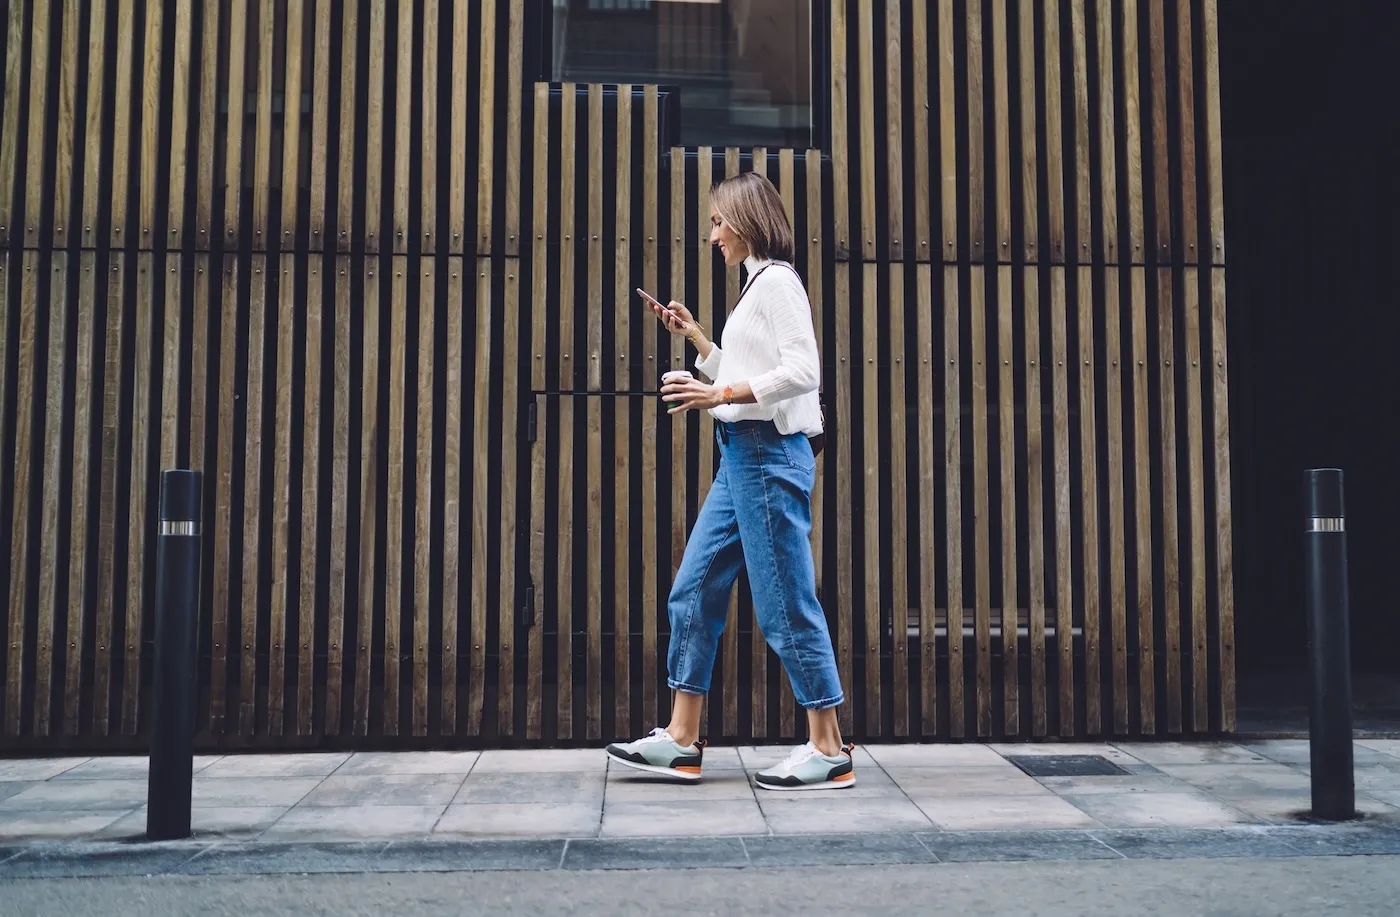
[
  {"x": 798, "y": 371},
  {"x": 710, "y": 365}
]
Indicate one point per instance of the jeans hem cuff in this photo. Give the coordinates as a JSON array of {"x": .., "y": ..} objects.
[
  {"x": 687, "y": 688},
  {"x": 825, "y": 702}
]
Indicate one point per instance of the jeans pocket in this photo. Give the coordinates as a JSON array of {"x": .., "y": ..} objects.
[{"x": 798, "y": 452}]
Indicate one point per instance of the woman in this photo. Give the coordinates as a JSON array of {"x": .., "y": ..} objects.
[{"x": 758, "y": 512}]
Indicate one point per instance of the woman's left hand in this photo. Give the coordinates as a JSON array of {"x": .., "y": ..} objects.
[{"x": 691, "y": 395}]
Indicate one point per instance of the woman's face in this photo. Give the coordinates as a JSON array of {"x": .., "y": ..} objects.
[{"x": 730, "y": 245}]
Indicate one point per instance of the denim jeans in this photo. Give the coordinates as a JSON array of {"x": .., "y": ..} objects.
[{"x": 758, "y": 514}]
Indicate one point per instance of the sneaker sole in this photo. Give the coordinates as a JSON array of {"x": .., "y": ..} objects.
[
  {"x": 656, "y": 770},
  {"x": 824, "y": 785}
]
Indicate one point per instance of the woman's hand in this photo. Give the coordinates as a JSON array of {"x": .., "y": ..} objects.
[
  {"x": 691, "y": 395},
  {"x": 678, "y": 321}
]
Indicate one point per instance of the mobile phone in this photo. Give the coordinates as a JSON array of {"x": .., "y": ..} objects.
[{"x": 656, "y": 302}]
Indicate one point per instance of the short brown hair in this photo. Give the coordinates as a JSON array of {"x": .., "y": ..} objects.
[{"x": 750, "y": 204}]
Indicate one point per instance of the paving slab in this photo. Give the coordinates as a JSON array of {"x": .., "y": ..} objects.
[
  {"x": 280, "y": 765},
  {"x": 547, "y": 787},
  {"x": 354, "y": 823},
  {"x": 385, "y": 790},
  {"x": 655, "y": 853},
  {"x": 1290, "y": 807},
  {"x": 1160, "y": 810},
  {"x": 1014, "y": 846},
  {"x": 1384, "y": 746},
  {"x": 1348, "y": 839},
  {"x": 1160, "y": 753},
  {"x": 683, "y": 819},
  {"x": 936, "y": 756},
  {"x": 15, "y": 787},
  {"x": 221, "y": 792},
  {"x": 465, "y": 855},
  {"x": 55, "y": 824},
  {"x": 1233, "y": 778},
  {"x": 226, "y": 823},
  {"x": 988, "y": 813},
  {"x": 261, "y": 858},
  {"x": 1298, "y": 752},
  {"x": 830, "y": 813},
  {"x": 53, "y": 861},
  {"x": 1195, "y": 843},
  {"x": 1131, "y": 783},
  {"x": 965, "y": 781},
  {"x": 540, "y": 761},
  {"x": 79, "y": 794},
  {"x": 36, "y": 768},
  {"x": 836, "y": 850},
  {"x": 526, "y": 819},
  {"x": 624, "y": 785},
  {"x": 1118, "y": 754},
  {"x": 374, "y": 763},
  {"x": 125, "y": 768}
]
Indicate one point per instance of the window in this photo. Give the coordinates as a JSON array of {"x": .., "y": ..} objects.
[{"x": 743, "y": 69}]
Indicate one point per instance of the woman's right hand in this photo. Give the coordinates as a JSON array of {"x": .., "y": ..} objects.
[{"x": 679, "y": 321}]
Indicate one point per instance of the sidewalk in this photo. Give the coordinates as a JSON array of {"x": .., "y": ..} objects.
[{"x": 939, "y": 797}]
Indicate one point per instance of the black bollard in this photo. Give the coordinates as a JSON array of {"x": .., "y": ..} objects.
[
  {"x": 177, "y": 615},
  {"x": 1330, "y": 725}
]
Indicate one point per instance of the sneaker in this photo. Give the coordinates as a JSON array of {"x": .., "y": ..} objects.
[
  {"x": 659, "y": 754},
  {"x": 809, "y": 769}
]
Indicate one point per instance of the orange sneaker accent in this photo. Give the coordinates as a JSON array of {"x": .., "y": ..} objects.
[
  {"x": 688, "y": 769},
  {"x": 844, "y": 777}
]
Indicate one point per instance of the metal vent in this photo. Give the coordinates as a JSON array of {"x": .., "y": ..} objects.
[{"x": 1067, "y": 765}]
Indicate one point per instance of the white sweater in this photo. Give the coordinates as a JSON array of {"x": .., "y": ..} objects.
[{"x": 769, "y": 342}]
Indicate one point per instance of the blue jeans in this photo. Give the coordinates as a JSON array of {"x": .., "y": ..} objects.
[{"x": 758, "y": 514}]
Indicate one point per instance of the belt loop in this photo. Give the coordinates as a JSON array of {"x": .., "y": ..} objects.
[{"x": 724, "y": 432}]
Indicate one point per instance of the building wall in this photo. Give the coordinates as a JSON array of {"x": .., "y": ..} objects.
[{"x": 393, "y": 326}]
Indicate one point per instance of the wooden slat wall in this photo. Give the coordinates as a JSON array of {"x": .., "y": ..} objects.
[{"x": 433, "y": 516}]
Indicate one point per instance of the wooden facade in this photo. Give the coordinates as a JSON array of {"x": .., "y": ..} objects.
[{"x": 357, "y": 265}]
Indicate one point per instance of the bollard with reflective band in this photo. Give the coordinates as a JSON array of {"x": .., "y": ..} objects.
[
  {"x": 174, "y": 690},
  {"x": 1329, "y": 631}
]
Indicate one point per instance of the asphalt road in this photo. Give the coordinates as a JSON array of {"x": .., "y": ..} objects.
[{"x": 1355, "y": 886}]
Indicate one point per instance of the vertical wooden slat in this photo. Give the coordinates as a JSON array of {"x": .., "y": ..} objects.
[
  {"x": 121, "y": 118},
  {"x": 262, "y": 138},
  {"x": 372, "y": 193},
  {"x": 622, "y": 420},
  {"x": 107, "y": 512},
  {"x": 981, "y": 536},
  {"x": 291, "y": 122},
  {"x": 1191, "y": 311},
  {"x": 1054, "y": 136},
  {"x": 51, "y": 497},
  {"x": 423, "y": 496},
  {"x": 1108, "y": 154},
  {"x": 1117, "y": 548},
  {"x": 593, "y": 716},
  {"x": 349, "y": 69},
  {"x": 872, "y": 472},
  {"x": 564, "y": 595},
  {"x": 730, "y": 649},
  {"x": 252, "y": 496},
  {"x": 9, "y": 139},
  {"x": 1030, "y": 153},
  {"x": 1171, "y": 547},
  {"x": 894, "y": 78},
  {"x": 280, "y": 561},
  {"x": 1214, "y": 172},
  {"x": 865, "y": 26},
  {"x": 539, "y": 482},
  {"x": 840, "y": 130},
  {"x": 786, "y": 178},
  {"x": 1224, "y": 545},
  {"x": 1186, "y": 125},
  {"x": 428, "y": 131},
  {"x": 80, "y": 560},
  {"x": 952, "y": 477},
  {"x": 154, "y": 186},
  {"x": 406, "y": 142},
  {"x": 95, "y": 61},
  {"x": 539, "y": 324},
  {"x": 976, "y": 140},
  {"x": 758, "y": 649},
  {"x": 394, "y": 496},
  {"x": 1006, "y": 441},
  {"x": 169, "y": 444},
  {"x": 1035, "y": 496},
  {"x": 370, "y": 438},
  {"x": 223, "y": 482},
  {"x": 1132, "y": 130},
  {"x": 486, "y": 127},
  {"x": 199, "y": 358},
  {"x": 928, "y": 484},
  {"x": 1161, "y": 164},
  {"x": 340, "y": 497},
  {"x": 320, "y": 127},
  {"x": 1142, "y": 505},
  {"x": 68, "y": 120},
  {"x": 595, "y": 232},
  {"x": 1083, "y": 212},
  {"x": 1089, "y": 495},
  {"x": 845, "y": 524},
  {"x": 899, "y": 505},
  {"x": 179, "y": 118},
  {"x": 481, "y": 485},
  {"x": 1064, "y": 535},
  {"x": 39, "y": 54},
  {"x": 704, "y": 168},
  {"x": 452, "y": 495},
  {"x": 651, "y": 375},
  {"x": 138, "y": 524},
  {"x": 1001, "y": 120},
  {"x": 568, "y": 136},
  {"x": 515, "y": 58},
  {"x": 310, "y": 501},
  {"x": 919, "y": 50},
  {"x": 594, "y": 578},
  {"x": 25, "y": 410},
  {"x": 457, "y": 163},
  {"x": 509, "y": 438}
]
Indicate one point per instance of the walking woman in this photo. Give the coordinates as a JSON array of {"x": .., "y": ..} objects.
[{"x": 758, "y": 512}]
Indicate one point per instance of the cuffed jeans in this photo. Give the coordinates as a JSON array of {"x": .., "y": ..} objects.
[{"x": 758, "y": 514}]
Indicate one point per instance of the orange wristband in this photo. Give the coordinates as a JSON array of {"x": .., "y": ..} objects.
[{"x": 728, "y": 394}]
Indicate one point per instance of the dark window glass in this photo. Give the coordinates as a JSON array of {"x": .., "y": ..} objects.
[{"x": 742, "y": 68}]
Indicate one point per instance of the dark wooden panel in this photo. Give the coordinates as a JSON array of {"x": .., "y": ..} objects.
[
  {"x": 1006, "y": 497},
  {"x": 370, "y": 438},
  {"x": 424, "y": 495},
  {"x": 394, "y": 496},
  {"x": 375, "y": 76},
  {"x": 981, "y": 546},
  {"x": 319, "y": 150},
  {"x": 899, "y": 505},
  {"x": 224, "y": 560},
  {"x": 509, "y": 438},
  {"x": 297, "y": 73},
  {"x": 22, "y": 450},
  {"x": 1034, "y": 458},
  {"x": 15, "y": 41},
  {"x": 1196, "y": 507},
  {"x": 481, "y": 485},
  {"x": 262, "y": 137},
  {"x": 894, "y": 145},
  {"x": 339, "y": 569},
  {"x": 1171, "y": 547},
  {"x": 461, "y": 63},
  {"x": 404, "y": 127},
  {"x": 139, "y": 518},
  {"x": 872, "y": 607},
  {"x": 1214, "y": 167},
  {"x": 1113, "y": 482},
  {"x": 81, "y": 559},
  {"x": 845, "y": 635},
  {"x": 927, "y": 368},
  {"x": 122, "y": 90},
  {"x": 1089, "y": 503},
  {"x": 40, "y": 54},
  {"x": 349, "y": 75},
  {"x": 52, "y": 497},
  {"x": 623, "y": 297},
  {"x": 94, "y": 189},
  {"x": 252, "y": 494},
  {"x": 453, "y": 518},
  {"x": 283, "y": 566},
  {"x": 1064, "y": 536},
  {"x": 486, "y": 127},
  {"x": 952, "y": 482},
  {"x": 310, "y": 500},
  {"x": 1224, "y": 545},
  {"x": 69, "y": 118}
]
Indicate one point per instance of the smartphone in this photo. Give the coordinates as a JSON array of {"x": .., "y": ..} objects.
[{"x": 656, "y": 302}]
